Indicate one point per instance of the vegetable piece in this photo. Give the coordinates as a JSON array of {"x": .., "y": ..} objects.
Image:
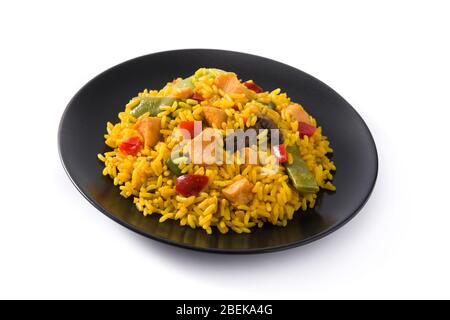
[
  {"x": 271, "y": 105},
  {"x": 173, "y": 167},
  {"x": 299, "y": 174},
  {"x": 262, "y": 122},
  {"x": 253, "y": 86},
  {"x": 190, "y": 127},
  {"x": 298, "y": 113},
  {"x": 131, "y": 146},
  {"x": 151, "y": 105},
  {"x": 229, "y": 83},
  {"x": 265, "y": 122},
  {"x": 306, "y": 129},
  {"x": 239, "y": 192},
  {"x": 149, "y": 128},
  {"x": 191, "y": 184},
  {"x": 280, "y": 153},
  {"x": 214, "y": 116},
  {"x": 197, "y": 96}
]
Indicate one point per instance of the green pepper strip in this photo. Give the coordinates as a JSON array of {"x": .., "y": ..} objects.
[
  {"x": 151, "y": 105},
  {"x": 299, "y": 174},
  {"x": 173, "y": 167}
]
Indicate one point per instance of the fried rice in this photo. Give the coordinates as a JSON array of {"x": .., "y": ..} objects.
[{"x": 147, "y": 179}]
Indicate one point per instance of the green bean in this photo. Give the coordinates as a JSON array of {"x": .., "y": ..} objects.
[
  {"x": 151, "y": 105},
  {"x": 173, "y": 167}
]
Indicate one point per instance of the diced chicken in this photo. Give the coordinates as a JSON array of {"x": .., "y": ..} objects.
[
  {"x": 239, "y": 192},
  {"x": 229, "y": 83},
  {"x": 214, "y": 116},
  {"x": 206, "y": 148},
  {"x": 149, "y": 128},
  {"x": 298, "y": 113},
  {"x": 182, "y": 93},
  {"x": 182, "y": 89}
]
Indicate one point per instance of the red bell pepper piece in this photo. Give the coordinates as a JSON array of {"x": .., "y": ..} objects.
[
  {"x": 191, "y": 184},
  {"x": 280, "y": 153},
  {"x": 131, "y": 145},
  {"x": 306, "y": 129},
  {"x": 253, "y": 86},
  {"x": 190, "y": 127},
  {"x": 197, "y": 96}
]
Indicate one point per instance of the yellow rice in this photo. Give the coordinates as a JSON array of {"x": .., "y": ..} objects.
[{"x": 146, "y": 179}]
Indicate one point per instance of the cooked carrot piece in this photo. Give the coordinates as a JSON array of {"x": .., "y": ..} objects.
[
  {"x": 214, "y": 116},
  {"x": 149, "y": 128},
  {"x": 239, "y": 192},
  {"x": 229, "y": 83}
]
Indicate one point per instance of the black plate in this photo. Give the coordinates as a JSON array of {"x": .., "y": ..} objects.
[{"x": 83, "y": 125}]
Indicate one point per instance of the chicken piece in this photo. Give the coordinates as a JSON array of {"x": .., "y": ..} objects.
[
  {"x": 206, "y": 148},
  {"x": 182, "y": 93},
  {"x": 149, "y": 128},
  {"x": 182, "y": 89},
  {"x": 229, "y": 83},
  {"x": 298, "y": 113},
  {"x": 239, "y": 192},
  {"x": 214, "y": 116}
]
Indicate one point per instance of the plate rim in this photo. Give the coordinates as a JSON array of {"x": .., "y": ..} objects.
[{"x": 311, "y": 239}]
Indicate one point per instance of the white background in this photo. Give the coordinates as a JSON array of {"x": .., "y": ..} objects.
[{"x": 389, "y": 59}]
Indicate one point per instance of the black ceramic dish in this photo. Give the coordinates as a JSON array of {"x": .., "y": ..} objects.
[{"x": 83, "y": 125}]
